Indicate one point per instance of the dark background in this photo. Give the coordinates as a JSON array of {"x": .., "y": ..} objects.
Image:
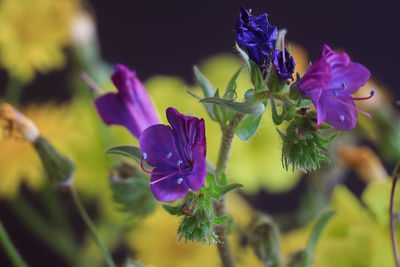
[{"x": 168, "y": 37}]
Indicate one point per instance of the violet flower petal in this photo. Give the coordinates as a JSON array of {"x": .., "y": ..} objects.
[
  {"x": 350, "y": 77},
  {"x": 170, "y": 188},
  {"x": 112, "y": 111},
  {"x": 339, "y": 109},
  {"x": 157, "y": 143},
  {"x": 133, "y": 100}
]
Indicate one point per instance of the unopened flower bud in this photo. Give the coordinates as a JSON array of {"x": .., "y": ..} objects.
[
  {"x": 264, "y": 239},
  {"x": 59, "y": 168}
]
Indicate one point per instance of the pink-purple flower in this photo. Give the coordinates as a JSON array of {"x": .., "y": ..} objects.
[
  {"x": 330, "y": 82},
  {"x": 177, "y": 153},
  {"x": 131, "y": 106}
]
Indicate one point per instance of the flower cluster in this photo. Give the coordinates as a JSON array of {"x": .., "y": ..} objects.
[{"x": 260, "y": 39}]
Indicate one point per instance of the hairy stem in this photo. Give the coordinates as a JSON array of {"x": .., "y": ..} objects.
[
  {"x": 219, "y": 205},
  {"x": 392, "y": 230},
  {"x": 9, "y": 248},
  {"x": 91, "y": 227}
]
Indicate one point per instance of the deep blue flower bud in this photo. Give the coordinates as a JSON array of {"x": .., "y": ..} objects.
[
  {"x": 257, "y": 36},
  {"x": 284, "y": 64}
]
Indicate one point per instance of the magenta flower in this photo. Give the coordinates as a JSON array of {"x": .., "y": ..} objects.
[
  {"x": 329, "y": 82},
  {"x": 177, "y": 154},
  {"x": 131, "y": 106}
]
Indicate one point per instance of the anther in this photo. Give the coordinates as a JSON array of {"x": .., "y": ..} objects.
[
  {"x": 179, "y": 162},
  {"x": 334, "y": 93},
  {"x": 371, "y": 94},
  {"x": 341, "y": 118},
  {"x": 169, "y": 155},
  {"x": 144, "y": 155},
  {"x": 180, "y": 180}
]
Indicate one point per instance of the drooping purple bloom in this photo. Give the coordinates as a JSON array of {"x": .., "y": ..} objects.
[
  {"x": 131, "y": 106},
  {"x": 177, "y": 154},
  {"x": 284, "y": 64},
  {"x": 329, "y": 82},
  {"x": 257, "y": 36}
]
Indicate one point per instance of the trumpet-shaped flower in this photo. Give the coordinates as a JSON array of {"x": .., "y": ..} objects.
[
  {"x": 257, "y": 36},
  {"x": 131, "y": 106},
  {"x": 329, "y": 82},
  {"x": 177, "y": 154}
]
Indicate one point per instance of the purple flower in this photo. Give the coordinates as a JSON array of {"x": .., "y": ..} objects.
[
  {"x": 131, "y": 106},
  {"x": 177, "y": 154},
  {"x": 284, "y": 64},
  {"x": 329, "y": 82},
  {"x": 257, "y": 36}
]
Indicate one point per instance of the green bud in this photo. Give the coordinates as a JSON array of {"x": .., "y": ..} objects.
[
  {"x": 303, "y": 145},
  {"x": 59, "y": 168},
  {"x": 264, "y": 239}
]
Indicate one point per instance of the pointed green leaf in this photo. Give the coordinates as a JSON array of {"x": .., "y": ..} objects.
[
  {"x": 316, "y": 232},
  {"x": 244, "y": 56},
  {"x": 192, "y": 94},
  {"x": 226, "y": 189},
  {"x": 232, "y": 82},
  {"x": 256, "y": 77},
  {"x": 125, "y": 150},
  {"x": 278, "y": 119},
  {"x": 248, "y": 126},
  {"x": 173, "y": 210},
  {"x": 220, "y": 219},
  {"x": 203, "y": 82},
  {"x": 246, "y": 107}
]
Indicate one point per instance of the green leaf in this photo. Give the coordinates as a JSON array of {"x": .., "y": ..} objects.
[
  {"x": 207, "y": 89},
  {"x": 173, "y": 210},
  {"x": 125, "y": 150},
  {"x": 244, "y": 56},
  {"x": 228, "y": 188},
  {"x": 256, "y": 77},
  {"x": 278, "y": 119},
  {"x": 232, "y": 82},
  {"x": 203, "y": 82},
  {"x": 246, "y": 107},
  {"x": 192, "y": 94},
  {"x": 316, "y": 232},
  {"x": 220, "y": 220},
  {"x": 248, "y": 127}
]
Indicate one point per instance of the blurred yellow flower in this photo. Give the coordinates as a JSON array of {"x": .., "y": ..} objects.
[
  {"x": 75, "y": 131},
  {"x": 155, "y": 241},
  {"x": 357, "y": 235},
  {"x": 33, "y": 34}
]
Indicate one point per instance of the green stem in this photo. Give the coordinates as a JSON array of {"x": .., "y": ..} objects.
[
  {"x": 10, "y": 249},
  {"x": 13, "y": 91},
  {"x": 91, "y": 227},
  {"x": 219, "y": 205},
  {"x": 62, "y": 244},
  {"x": 392, "y": 228}
]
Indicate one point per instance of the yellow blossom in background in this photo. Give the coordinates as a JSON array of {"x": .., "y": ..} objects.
[
  {"x": 75, "y": 131},
  {"x": 33, "y": 35},
  {"x": 155, "y": 241},
  {"x": 357, "y": 235}
]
